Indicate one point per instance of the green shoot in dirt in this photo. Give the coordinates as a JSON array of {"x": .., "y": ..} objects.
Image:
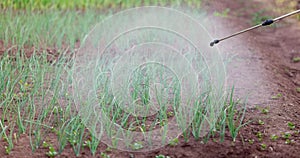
[
  {"x": 291, "y": 125},
  {"x": 251, "y": 141},
  {"x": 162, "y": 156},
  {"x": 286, "y": 135},
  {"x": 174, "y": 142},
  {"x": 260, "y": 122},
  {"x": 137, "y": 146},
  {"x": 263, "y": 146},
  {"x": 51, "y": 153},
  {"x": 265, "y": 110},
  {"x": 296, "y": 59},
  {"x": 104, "y": 155},
  {"x": 298, "y": 89},
  {"x": 259, "y": 135},
  {"x": 279, "y": 95},
  {"x": 274, "y": 137}
]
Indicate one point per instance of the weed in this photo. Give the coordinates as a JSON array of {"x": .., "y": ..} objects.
[
  {"x": 298, "y": 89},
  {"x": 162, "y": 156},
  {"x": 265, "y": 111},
  {"x": 286, "y": 135},
  {"x": 259, "y": 135},
  {"x": 260, "y": 122},
  {"x": 7, "y": 150},
  {"x": 288, "y": 141},
  {"x": 137, "y": 146},
  {"x": 174, "y": 142},
  {"x": 251, "y": 141},
  {"x": 223, "y": 14},
  {"x": 104, "y": 155},
  {"x": 51, "y": 152},
  {"x": 170, "y": 114},
  {"x": 45, "y": 144},
  {"x": 279, "y": 95},
  {"x": 263, "y": 146},
  {"x": 291, "y": 125},
  {"x": 274, "y": 137},
  {"x": 296, "y": 59}
]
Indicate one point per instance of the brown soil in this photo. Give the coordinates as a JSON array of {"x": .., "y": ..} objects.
[{"x": 262, "y": 67}]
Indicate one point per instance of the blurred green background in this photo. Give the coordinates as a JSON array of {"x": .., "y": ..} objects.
[{"x": 85, "y": 4}]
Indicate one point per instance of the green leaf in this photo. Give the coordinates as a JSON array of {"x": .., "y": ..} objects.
[
  {"x": 291, "y": 125},
  {"x": 137, "y": 146}
]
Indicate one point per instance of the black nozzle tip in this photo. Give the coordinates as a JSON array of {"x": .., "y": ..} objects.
[{"x": 214, "y": 42}]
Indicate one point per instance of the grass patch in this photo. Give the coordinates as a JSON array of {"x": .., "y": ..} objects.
[{"x": 57, "y": 29}]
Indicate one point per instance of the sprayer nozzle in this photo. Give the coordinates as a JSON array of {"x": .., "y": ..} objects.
[{"x": 214, "y": 42}]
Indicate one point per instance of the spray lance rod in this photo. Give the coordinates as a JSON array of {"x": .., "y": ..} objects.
[{"x": 265, "y": 23}]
